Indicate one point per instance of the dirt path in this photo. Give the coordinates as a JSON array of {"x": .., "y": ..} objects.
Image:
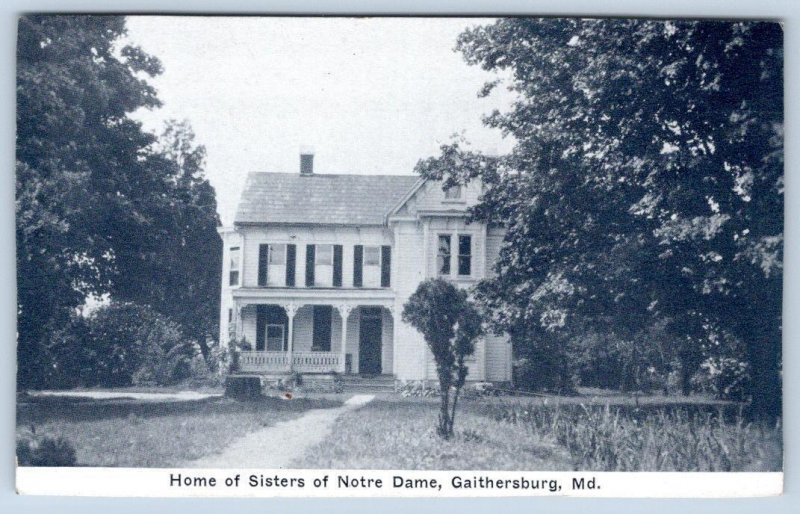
[
  {"x": 180, "y": 396},
  {"x": 274, "y": 447}
]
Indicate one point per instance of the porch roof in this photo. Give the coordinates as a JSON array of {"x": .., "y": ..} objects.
[{"x": 315, "y": 296}]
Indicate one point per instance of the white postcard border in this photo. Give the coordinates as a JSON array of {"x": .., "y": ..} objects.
[{"x": 282, "y": 483}]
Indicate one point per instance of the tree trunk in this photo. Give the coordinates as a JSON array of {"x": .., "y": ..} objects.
[{"x": 444, "y": 429}]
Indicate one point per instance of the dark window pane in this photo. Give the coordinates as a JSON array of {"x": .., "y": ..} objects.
[
  {"x": 464, "y": 265},
  {"x": 464, "y": 245},
  {"x": 464, "y": 255}
]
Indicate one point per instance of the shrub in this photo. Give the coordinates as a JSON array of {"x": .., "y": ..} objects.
[
  {"x": 122, "y": 344},
  {"x": 33, "y": 450},
  {"x": 725, "y": 377},
  {"x": 449, "y": 322}
]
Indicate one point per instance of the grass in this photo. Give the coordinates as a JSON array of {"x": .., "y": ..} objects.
[
  {"x": 652, "y": 437},
  {"x": 394, "y": 433},
  {"x": 589, "y": 433},
  {"x": 152, "y": 434}
]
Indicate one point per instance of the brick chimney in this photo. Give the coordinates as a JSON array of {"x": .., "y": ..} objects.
[{"x": 306, "y": 160}]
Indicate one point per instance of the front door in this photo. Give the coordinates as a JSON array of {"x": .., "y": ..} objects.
[{"x": 369, "y": 344}]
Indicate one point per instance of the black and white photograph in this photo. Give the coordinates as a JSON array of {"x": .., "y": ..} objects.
[{"x": 527, "y": 245}]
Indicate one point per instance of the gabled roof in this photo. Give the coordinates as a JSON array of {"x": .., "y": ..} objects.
[{"x": 325, "y": 199}]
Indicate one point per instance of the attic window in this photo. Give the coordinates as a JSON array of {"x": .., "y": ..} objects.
[{"x": 453, "y": 193}]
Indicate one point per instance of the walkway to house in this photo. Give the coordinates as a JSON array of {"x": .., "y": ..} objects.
[{"x": 274, "y": 447}]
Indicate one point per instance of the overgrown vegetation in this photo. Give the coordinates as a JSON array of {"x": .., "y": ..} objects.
[
  {"x": 653, "y": 438},
  {"x": 606, "y": 433},
  {"x": 36, "y": 450},
  {"x": 124, "y": 344}
]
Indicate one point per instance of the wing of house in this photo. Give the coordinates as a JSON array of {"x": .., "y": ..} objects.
[{"x": 317, "y": 268}]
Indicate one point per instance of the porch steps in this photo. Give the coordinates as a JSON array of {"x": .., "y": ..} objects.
[{"x": 377, "y": 384}]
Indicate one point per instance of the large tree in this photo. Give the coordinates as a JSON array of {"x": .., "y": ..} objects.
[
  {"x": 646, "y": 182},
  {"x": 93, "y": 188}
]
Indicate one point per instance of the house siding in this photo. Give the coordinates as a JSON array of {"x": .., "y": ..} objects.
[{"x": 409, "y": 357}]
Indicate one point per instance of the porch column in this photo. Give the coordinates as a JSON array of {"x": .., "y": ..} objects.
[
  {"x": 291, "y": 310},
  {"x": 238, "y": 328},
  {"x": 344, "y": 311}
]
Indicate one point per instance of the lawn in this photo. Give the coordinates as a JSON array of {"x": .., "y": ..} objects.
[
  {"x": 398, "y": 433},
  {"x": 592, "y": 432},
  {"x": 131, "y": 433}
]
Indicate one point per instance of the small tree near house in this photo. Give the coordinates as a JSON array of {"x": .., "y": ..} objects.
[{"x": 450, "y": 324}]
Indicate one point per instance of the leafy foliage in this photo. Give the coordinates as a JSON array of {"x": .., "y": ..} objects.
[
  {"x": 37, "y": 450},
  {"x": 450, "y": 324},
  {"x": 646, "y": 184},
  {"x": 123, "y": 344},
  {"x": 102, "y": 207}
]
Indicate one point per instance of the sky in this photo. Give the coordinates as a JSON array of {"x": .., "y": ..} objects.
[{"x": 369, "y": 95}]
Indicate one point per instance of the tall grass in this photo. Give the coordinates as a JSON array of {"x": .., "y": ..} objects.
[{"x": 674, "y": 438}]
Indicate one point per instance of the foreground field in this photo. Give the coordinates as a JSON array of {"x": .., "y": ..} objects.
[
  {"x": 393, "y": 433},
  {"x": 152, "y": 434},
  {"x": 600, "y": 434},
  {"x": 594, "y": 431}
]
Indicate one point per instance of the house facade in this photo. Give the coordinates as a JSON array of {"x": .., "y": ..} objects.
[{"x": 317, "y": 268}]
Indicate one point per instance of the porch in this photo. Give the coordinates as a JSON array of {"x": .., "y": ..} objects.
[{"x": 317, "y": 332}]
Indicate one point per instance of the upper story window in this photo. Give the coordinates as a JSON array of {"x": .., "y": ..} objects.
[
  {"x": 276, "y": 257},
  {"x": 453, "y": 193},
  {"x": 233, "y": 276},
  {"x": 372, "y": 266},
  {"x": 463, "y": 258},
  {"x": 443, "y": 254},
  {"x": 323, "y": 265},
  {"x": 276, "y": 265},
  {"x": 464, "y": 255}
]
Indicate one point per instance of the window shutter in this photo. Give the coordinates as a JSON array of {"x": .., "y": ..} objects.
[
  {"x": 386, "y": 265},
  {"x": 263, "y": 263},
  {"x": 291, "y": 258},
  {"x": 358, "y": 266},
  {"x": 337, "y": 265},
  {"x": 310, "y": 265},
  {"x": 261, "y": 327}
]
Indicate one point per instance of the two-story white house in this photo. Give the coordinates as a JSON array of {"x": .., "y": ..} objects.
[{"x": 317, "y": 268}]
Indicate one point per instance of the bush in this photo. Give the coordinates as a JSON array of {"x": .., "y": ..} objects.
[
  {"x": 123, "y": 344},
  {"x": 33, "y": 450},
  {"x": 550, "y": 373},
  {"x": 450, "y": 324},
  {"x": 726, "y": 377}
]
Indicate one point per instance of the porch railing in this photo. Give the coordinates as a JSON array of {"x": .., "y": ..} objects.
[
  {"x": 303, "y": 362},
  {"x": 315, "y": 362}
]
